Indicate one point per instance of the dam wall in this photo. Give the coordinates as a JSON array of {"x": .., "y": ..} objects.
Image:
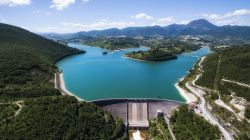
[{"x": 136, "y": 113}]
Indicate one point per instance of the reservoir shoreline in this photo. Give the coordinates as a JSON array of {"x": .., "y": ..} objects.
[
  {"x": 117, "y": 66},
  {"x": 189, "y": 97},
  {"x": 65, "y": 92},
  {"x": 60, "y": 85}
]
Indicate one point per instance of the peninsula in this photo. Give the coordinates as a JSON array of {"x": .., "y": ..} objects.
[{"x": 152, "y": 55}]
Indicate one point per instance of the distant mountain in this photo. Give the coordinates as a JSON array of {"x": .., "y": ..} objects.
[
  {"x": 201, "y": 24},
  {"x": 130, "y": 31},
  {"x": 196, "y": 27}
]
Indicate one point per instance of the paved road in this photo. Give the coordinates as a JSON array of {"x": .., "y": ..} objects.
[
  {"x": 202, "y": 106},
  {"x": 206, "y": 114},
  {"x": 169, "y": 128}
]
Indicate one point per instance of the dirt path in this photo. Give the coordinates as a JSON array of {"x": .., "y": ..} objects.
[
  {"x": 235, "y": 82},
  {"x": 219, "y": 102},
  {"x": 18, "y": 103},
  {"x": 217, "y": 78}
]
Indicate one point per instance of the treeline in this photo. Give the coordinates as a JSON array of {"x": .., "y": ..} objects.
[
  {"x": 152, "y": 55},
  {"x": 189, "y": 126},
  {"x": 61, "y": 117},
  {"x": 110, "y": 43},
  {"x": 174, "y": 44}
]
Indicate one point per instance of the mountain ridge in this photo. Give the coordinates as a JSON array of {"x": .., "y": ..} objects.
[{"x": 195, "y": 27}]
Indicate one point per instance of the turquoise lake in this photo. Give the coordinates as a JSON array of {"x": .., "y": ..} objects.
[{"x": 93, "y": 76}]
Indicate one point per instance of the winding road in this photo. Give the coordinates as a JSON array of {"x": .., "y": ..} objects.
[{"x": 203, "y": 111}]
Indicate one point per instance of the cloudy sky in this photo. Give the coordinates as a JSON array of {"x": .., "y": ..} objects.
[{"x": 64, "y": 16}]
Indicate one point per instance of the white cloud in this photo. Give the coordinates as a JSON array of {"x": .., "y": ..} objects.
[
  {"x": 230, "y": 18},
  {"x": 213, "y": 16},
  {"x": 184, "y": 22},
  {"x": 142, "y": 16},
  {"x": 61, "y": 4},
  {"x": 96, "y": 25},
  {"x": 241, "y": 12},
  {"x": 41, "y": 12},
  {"x": 85, "y": 0},
  {"x": 165, "y": 21},
  {"x": 69, "y": 27},
  {"x": 14, "y": 2}
]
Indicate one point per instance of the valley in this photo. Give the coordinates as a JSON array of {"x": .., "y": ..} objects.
[{"x": 94, "y": 66}]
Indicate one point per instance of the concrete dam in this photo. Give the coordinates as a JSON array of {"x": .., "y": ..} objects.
[{"x": 136, "y": 113}]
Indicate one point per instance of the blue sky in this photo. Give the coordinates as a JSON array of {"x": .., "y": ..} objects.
[{"x": 64, "y": 16}]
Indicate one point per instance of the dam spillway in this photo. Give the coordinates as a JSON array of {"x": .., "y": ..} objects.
[{"x": 136, "y": 113}]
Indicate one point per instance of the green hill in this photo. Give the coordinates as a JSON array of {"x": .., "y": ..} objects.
[
  {"x": 223, "y": 70},
  {"x": 234, "y": 65},
  {"x": 61, "y": 118},
  {"x": 26, "y": 75},
  {"x": 189, "y": 126},
  {"x": 27, "y": 63}
]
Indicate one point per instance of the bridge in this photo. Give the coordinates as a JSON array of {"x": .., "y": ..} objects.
[{"x": 135, "y": 113}]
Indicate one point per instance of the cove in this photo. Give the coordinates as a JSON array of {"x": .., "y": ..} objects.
[{"x": 93, "y": 76}]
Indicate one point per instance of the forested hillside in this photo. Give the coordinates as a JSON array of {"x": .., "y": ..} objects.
[
  {"x": 27, "y": 63},
  {"x": 189, "y": 126},
  {"x": 30, "y": 106},
  {"x": 227, "y": 77},
  {"x": 61, "y": 118},
  {"x": 109, "y": 43},
  {"x": 230, "y": 64}
]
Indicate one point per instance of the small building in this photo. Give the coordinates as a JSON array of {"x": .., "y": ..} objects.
[{"x": 159, "y": 113}]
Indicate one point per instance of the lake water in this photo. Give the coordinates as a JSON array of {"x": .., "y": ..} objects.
[{"x": 93, "y": 76}]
